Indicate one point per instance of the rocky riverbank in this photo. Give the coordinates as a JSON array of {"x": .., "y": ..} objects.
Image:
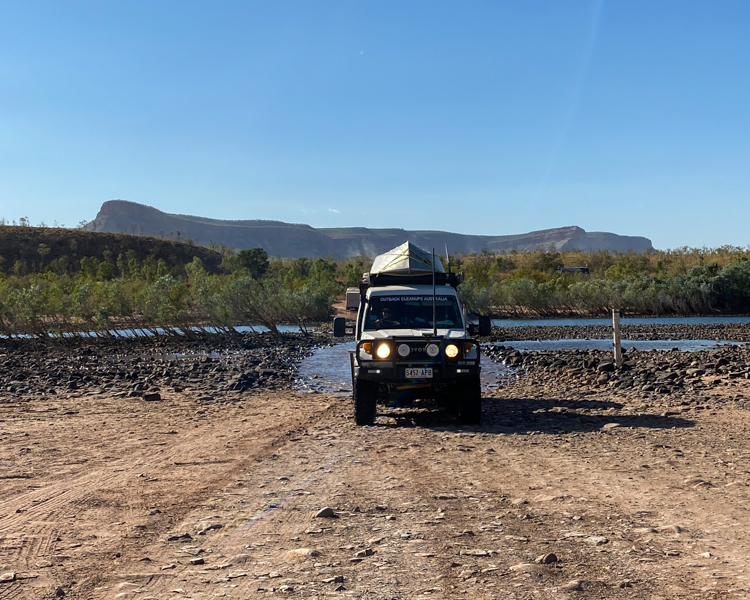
[
  {"x": 678, "y": 378},
  {"x": 214, "y": 366},
  {"x": 226, "y": 366},
  {"x": 735, "y": 332}
]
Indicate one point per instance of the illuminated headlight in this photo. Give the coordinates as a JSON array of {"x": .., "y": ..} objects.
[
  {"x": 451, "y": 351},
  {"x": 403, "y": 350},
  {"x": 383, "y": 351},
  {"x": 432, "y": 350}
]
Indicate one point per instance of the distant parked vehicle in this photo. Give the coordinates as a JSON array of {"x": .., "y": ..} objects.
[{"x": 352, "y": 298}]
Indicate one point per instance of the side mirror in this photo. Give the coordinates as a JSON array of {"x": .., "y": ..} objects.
[
  {"x": 339, "y": 327},
  {"x": 485, "y": 325}
]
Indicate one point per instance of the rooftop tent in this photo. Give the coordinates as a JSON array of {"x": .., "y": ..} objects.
[{"x": 406, "y": 259}]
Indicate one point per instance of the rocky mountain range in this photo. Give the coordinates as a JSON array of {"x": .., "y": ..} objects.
[{"x": 292, "y": 240}]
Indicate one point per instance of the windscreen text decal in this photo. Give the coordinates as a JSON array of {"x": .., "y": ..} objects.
[{"x": 412, "y": 298}]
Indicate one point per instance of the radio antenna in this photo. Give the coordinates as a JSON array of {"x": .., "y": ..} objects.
[
  {"x": 447, "y": 258},
  {"x": 434, "y": 299}
]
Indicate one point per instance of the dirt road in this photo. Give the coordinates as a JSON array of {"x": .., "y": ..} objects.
[{"x": 104, "y": 497}]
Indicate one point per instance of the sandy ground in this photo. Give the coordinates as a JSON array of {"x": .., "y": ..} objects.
[{"x": 104, "y": 497}]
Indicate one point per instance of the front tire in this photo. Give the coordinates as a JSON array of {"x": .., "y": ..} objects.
[
  {"x": 449, "y": 399},
  {"x": 470, "y": 402},
  {"x": 365, "y": 401}
]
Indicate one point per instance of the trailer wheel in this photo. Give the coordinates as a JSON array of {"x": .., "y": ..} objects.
[
  {"x": 470, "y": 402},
  {"x": 365, "y": 401}
]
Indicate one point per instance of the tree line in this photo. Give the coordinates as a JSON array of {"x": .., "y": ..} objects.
[
  {"x": 686, "y": 281},
  {"x": 124, "y": 295}
]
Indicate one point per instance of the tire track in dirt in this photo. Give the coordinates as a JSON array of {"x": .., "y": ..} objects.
[
  {"x": 267, "y": 522},
  {"x": 43, "y": 511},
  {"x": 260, "y": 440},
  {"x": 408, "y": 462},
  {"x": 262, "y": 518},
  {"x": 279, "y": 532},
  {"x": 13, "y": 590},
  {"x": 467, "y": 504}
]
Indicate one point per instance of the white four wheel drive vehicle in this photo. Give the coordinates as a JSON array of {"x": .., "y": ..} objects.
[{"x": 413, "y": 340}]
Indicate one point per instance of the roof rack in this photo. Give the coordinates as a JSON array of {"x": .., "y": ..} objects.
[{"x": 383, "y": 279}]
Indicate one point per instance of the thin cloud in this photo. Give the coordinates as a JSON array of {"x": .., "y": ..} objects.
[{"x": 333, "y": 210}]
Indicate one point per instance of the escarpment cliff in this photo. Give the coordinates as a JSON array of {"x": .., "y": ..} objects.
[{"x": 294, "y": 240}]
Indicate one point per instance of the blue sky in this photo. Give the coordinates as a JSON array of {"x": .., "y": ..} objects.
[{"x": 477, "y": 117}]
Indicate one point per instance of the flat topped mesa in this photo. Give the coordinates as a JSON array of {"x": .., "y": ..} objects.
[{"x": 406, "y": 259}]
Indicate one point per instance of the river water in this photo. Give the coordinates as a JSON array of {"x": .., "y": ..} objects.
[
  {"x": 578, "y": 344},
  {"x": 623, "y": 320},
  {"x": 328, "y": 371}
]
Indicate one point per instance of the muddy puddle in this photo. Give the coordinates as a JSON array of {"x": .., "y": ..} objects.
[{"x": 328, "y": 371}]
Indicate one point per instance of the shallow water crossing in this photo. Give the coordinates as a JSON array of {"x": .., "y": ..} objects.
[{"x": 328, "y": 371}]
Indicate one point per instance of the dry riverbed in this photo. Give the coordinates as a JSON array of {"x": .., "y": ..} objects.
[{"x": 570, "y": 488}]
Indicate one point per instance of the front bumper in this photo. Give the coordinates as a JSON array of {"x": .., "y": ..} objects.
[
  {"x": 393, "y": 371},
  {"x": 397, "y": 374}
]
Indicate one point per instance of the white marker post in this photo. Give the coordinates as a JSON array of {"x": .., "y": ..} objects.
[{"x": 617, "y": 340}]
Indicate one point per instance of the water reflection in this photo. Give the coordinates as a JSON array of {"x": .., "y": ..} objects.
[{"x": 146, "y": 333}]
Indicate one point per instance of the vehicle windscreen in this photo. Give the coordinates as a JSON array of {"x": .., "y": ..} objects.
[{"x": 412, "y": 312}]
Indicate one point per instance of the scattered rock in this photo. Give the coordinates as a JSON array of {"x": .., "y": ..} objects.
[
  {"x": 576, "y": 585},
  {"x": 527, "y": 568},
  {"x": 547, "y": 559},
  {"x": 303, "y": 552},
  {"x": 671, "y": 529},
  {"x": 597, "y": 540},
  {"x": 643, "y": 530},
  {"x": 325, "y": 513},
  {"x": 204, "y": 528},
  {"x": 545, "y": 498},
  {"x": 696, "y": 480},
  {"x": 240, "y": 559},
  {"x": 7, "y": 577}
]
